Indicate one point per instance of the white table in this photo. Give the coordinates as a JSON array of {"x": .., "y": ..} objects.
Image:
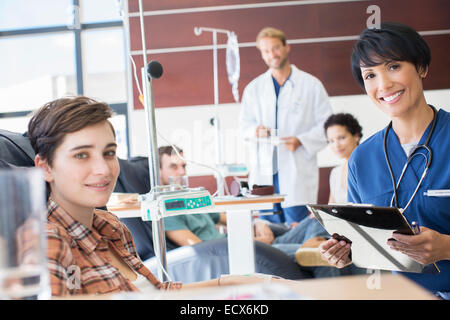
[{"x": 241, "y": 252}]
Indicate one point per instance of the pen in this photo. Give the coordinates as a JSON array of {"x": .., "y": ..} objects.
[
  {"x": 437, "y": 193},
  {"x": 415, "y": 227}
]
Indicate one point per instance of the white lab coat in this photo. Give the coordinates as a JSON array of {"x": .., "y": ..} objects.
[{"x": 303, "y": 107}]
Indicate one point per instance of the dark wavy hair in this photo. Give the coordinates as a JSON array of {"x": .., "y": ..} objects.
[
  {"x": 391, "y": 42},
  {"x": 346, "y": 120}
]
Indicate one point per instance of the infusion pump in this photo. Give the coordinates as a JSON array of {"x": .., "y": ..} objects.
[{"x": 160, "y": 204}]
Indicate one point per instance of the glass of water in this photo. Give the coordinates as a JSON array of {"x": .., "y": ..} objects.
[
  {"x": 23, "y": 264},
  {"x": 177, "y": 182}
]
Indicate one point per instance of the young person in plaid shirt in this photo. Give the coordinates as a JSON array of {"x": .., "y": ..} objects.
[{"x": 89, "y": 250}]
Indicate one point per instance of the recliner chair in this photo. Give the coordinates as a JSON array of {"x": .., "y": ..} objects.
[{"x": 15, "y": 150}]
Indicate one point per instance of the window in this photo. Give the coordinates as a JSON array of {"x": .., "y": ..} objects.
[
  {"x": 15, "y": 124},
  {"x": 26, "y": 14},
  {"x": 36, "y": 69},
  {"x": 104, "y": 64},
  {"x": 99, "y": 10}
]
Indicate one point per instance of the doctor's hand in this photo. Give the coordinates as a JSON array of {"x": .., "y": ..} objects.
[
  {"x": 426, "y": 247},
  {"x": 262, "y": 132},
  {"x": 336, "y": 253},
  {"x": 291, "y": 143}
]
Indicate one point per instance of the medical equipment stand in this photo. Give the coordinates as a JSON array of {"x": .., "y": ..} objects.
[
  {"x": 159, "y": 239},
  {"x": 219, "y": 157},
  {"x": 236, "y": 219}
]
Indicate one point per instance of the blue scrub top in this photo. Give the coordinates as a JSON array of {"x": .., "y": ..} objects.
[{"x": 369, "y": 181}]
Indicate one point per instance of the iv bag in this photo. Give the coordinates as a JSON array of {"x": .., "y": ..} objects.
[{"x": 233, "y": 64}]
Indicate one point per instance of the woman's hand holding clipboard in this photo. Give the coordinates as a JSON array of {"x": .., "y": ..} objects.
[
  {"x": 373, "y": 237},
  {"x": 336, "y": 251}
]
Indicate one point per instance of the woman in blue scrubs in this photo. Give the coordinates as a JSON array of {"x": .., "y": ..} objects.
[{"x": 391, "y": 63}]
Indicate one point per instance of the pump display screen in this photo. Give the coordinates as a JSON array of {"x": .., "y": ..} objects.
[{"x": 173, "y": 205}]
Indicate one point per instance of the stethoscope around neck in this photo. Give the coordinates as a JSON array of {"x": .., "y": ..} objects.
[{"x": 414, "y": 153}]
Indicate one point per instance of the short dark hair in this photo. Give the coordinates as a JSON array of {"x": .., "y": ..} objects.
[
  {"x": 167, "y": 150},
  {"x": 391, "y": 42},
  {"x": 50, "y": 123},
  {"x": 346, "y": 120}
]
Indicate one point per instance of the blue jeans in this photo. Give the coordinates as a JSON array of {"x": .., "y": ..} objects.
[
  {"x": 288, "y": 215},
  {"x": 290, "y": 241}
]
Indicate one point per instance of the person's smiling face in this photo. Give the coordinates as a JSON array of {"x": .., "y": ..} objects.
[
  {"x": 394, "y": 86},
  {"x": 273, "y": 52},
  {"x": 341, "y": 141},
  {"x": 84, "y": 169}
]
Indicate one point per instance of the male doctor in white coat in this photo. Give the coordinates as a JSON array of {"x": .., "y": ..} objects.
[{"x": 296, "y": 104}]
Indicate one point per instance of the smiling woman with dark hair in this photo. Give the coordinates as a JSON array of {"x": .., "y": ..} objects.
[
  {"x": 392, "y": 42},
  {"x": 343, "y": 134},
  {"x": 400, "y": 164}
]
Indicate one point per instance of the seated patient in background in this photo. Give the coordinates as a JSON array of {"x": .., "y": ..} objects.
[
  {"x": 89, "y": 250},
  {"x": 343, "y": 133},
  {"x": 190, "y": 228},
  {"x": 194, "y": 228}
]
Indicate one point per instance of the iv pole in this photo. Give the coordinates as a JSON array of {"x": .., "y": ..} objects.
[
  {"x": 219, "y": 157},
  {"x": 159, "y": 240}
]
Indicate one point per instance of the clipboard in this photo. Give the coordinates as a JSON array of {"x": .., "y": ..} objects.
[{"x": 369, "y": 227}]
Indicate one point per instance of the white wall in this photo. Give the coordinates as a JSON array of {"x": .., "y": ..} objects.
[{"x": 189, "y": 128}]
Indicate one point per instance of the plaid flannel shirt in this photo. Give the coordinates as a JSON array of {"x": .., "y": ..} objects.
[{"x": 78, "y": 256}]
